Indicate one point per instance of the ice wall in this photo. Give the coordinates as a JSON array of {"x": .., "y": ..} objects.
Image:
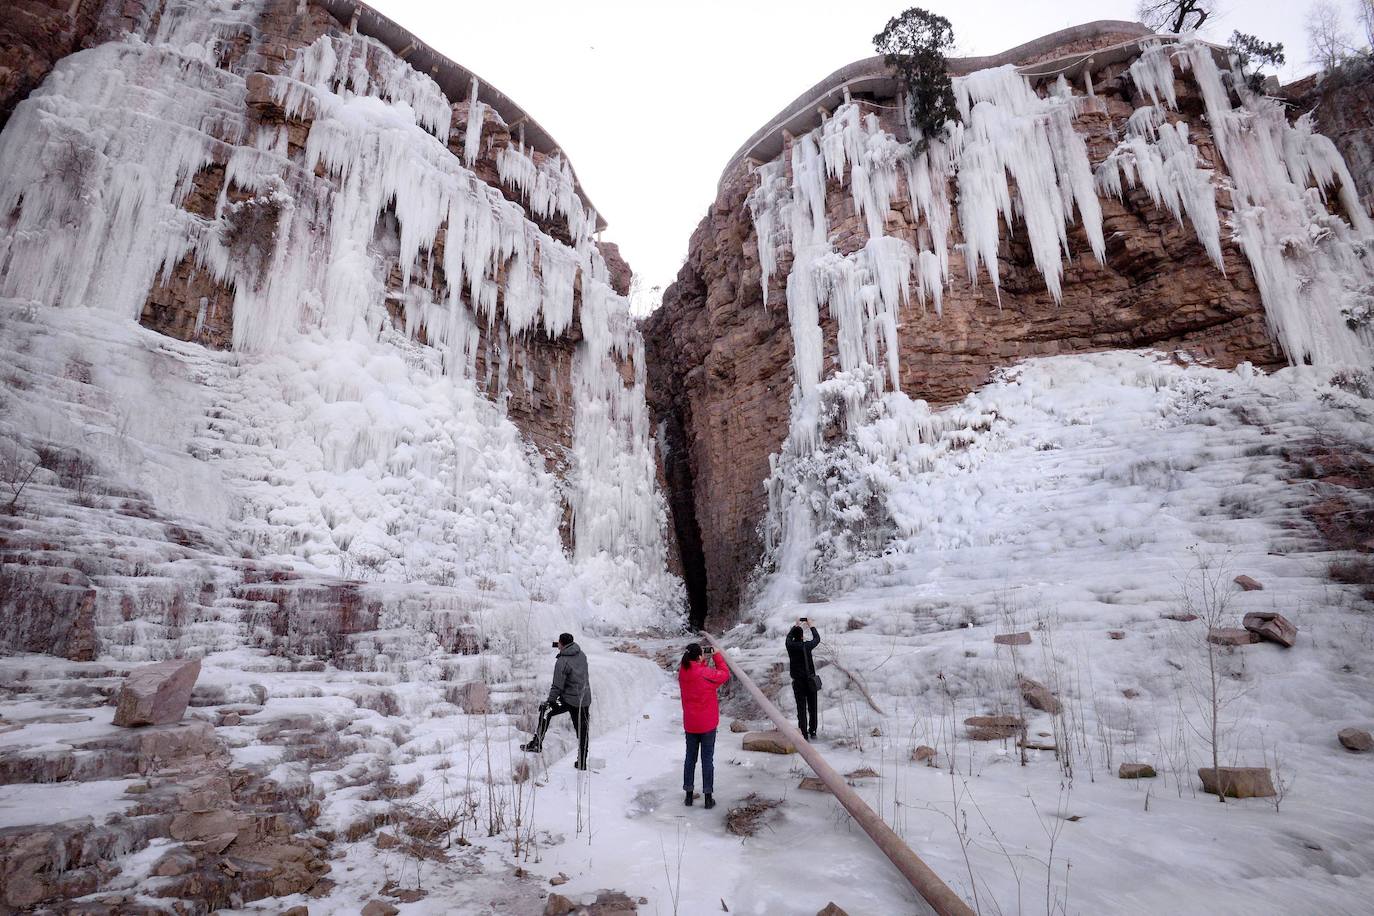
[
  {"x": 350, "y": 445},
  {"x": 1017, "y": 156}
]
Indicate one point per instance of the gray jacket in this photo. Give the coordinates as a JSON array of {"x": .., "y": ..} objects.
[{"x": 571, "y": 684}]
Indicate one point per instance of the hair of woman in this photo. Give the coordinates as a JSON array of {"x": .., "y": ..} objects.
[{"x": 693, "y": 654}]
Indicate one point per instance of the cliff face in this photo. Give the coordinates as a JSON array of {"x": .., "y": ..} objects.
[
  {"x": 359, "y": 332},
  {"x": 723, "y": 364},
  {"x": 1342, "y": 107}
]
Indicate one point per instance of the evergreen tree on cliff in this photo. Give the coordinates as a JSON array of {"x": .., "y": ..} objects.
[{"x": 913, "y": 44}]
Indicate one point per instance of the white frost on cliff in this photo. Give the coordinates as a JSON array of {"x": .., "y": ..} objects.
[{"x": 348, "y": 445}]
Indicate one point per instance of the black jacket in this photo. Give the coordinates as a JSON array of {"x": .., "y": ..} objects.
[
  {"x": 571, "y": 684},
  {"x": 799, "y": 662}
]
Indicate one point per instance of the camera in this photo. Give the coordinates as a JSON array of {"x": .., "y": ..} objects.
[
  {"x": 554, "y": 644},
  {"x": 709, "y": 650}
]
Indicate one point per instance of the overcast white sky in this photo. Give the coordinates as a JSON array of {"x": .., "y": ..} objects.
[{"x": 651, "y": 99}]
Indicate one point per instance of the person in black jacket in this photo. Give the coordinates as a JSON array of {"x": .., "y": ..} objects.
[
  {"x": 805, "y": 684},
  {"x": 571, "y": 692}
]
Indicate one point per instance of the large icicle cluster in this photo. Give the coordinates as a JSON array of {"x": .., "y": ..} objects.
[
  {"x": 1313, "y": 268},
  {"x": 1016, "y": 156},
  {"x": 102, "y": 157}
]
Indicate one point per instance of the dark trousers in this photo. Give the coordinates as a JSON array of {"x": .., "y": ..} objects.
[
  {"x": 581, "y": 721},
  {"x": 705, "y": 744},
  {"x": 805, "y": 696}
]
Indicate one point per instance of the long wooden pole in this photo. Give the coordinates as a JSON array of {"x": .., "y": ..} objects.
[{"x": 923, "y": 879}]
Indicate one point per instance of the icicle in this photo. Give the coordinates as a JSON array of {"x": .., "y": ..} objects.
[{"x": 472, "y": 137}]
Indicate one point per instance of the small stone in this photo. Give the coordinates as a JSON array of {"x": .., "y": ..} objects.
[
  {"x": 377, "y": 907},
  {"x": 387, "y": 841},
  {"x": 812, "y": 784},
  {"x": 1356, "y": 739},
  {"x": 1237, "y": 782},
  {"x": 770, "y": 742},
  {"x": 1181, "y": 618},
  {"x": 1136, "y": 771},
  {"x": 1038, "y": 696},
  {"x": 1248, "y": 584},
  {"x": 993, "y": 728},
  {"x": 1231, "y": 636},
  {"x": 297, "y": 911},
  {"x": 1117, "y": 634},
  {"x": 862, "y": 773},
  {"x": 1272, "y": 626},
  {"x": 922, "y": 752},
  {"x": 738, "y": 727},
  {"x": 230, "y": 718},
  {"x": 876, "y": 732},
  {"x": 831, "y": 910},
  {"x": 1012, "y": 639},
  {"x": 1130, "y": 693},
  {"x": 558, "y": 879},
  {"x": 157, "y": 694}
]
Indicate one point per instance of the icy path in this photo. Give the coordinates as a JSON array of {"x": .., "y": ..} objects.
[{"x": 637, "y": 835}]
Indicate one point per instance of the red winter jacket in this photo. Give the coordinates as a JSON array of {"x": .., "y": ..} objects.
[{"x": 699, "y": 683}]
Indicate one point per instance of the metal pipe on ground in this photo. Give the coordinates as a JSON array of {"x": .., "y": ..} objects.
[{"x": 922, "y": 878}]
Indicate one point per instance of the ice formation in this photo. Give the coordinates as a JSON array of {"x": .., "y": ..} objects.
[
  {"x": 1016, "y": 156},
  {"x": 350, "y": 446}
]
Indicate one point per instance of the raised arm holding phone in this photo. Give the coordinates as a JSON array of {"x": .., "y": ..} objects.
[{"x": 806, "y": 684}]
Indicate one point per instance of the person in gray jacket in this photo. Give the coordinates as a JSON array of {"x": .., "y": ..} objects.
[{"x": 571, "y": 692}]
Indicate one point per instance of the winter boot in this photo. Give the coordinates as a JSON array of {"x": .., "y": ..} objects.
[
  {"x": 690, "y": 795},
  {"x": 710, "y": 801}
]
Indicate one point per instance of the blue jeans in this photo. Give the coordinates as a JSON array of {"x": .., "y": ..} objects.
[{"x": 705, "y": 743}]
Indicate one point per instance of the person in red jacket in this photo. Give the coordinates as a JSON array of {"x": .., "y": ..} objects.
[{"x": 699, "y": 682}]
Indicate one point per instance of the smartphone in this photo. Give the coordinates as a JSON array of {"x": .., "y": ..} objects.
[
  {"x": 709, "y": 650},
  {"x": 554, "y": 644}
]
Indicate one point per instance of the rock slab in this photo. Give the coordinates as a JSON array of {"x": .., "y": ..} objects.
[
  {"x": 1232, "y": 636},
  {"x": 1012, "y": 639},
  {"x": 1248, "y": 584},
  {"x": 1356, "y": 739},
  {"x": 157, "y": 694},
  {"x": 993, "y": 728},
  {"x": 1237, "y": 782},
  {"x": 1136, "y": 771},
  {"x": 1272, "y": 626},
  {"x": 770, "y": 742}
]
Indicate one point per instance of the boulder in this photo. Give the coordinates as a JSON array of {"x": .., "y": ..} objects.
[
  {"x": 157, "y": 694},
  {"x": 993, "y": 728},
  {"x": 1136, "y": 771},
  {"x": 1038, "y": 696},
  {"x": 770, "y": 742},
  {"x": 738, "y": 727},
  {"x": 1237, "y": 782},
  {"x": 1012, "y": 639},
  {"x": 558, "y": 905},
  {"x": 1272, "y": 626},
  {"x": 1356, "y": 739},
  {"x": 812, "y": 784},
  {"x": 1248, "y": 584},
  {"x": 1231, "y": 636},
  {"x": 377, "y": 907},
  {"x": 922, "y": 752},
  {"x": 474, "y": 698}
]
